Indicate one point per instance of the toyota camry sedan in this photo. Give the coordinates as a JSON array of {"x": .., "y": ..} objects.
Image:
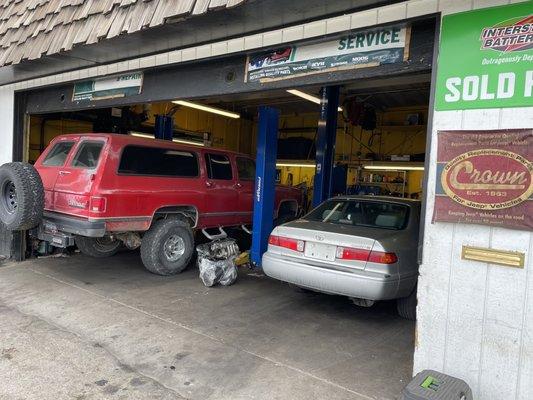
[{"x": 362, "y": 247}]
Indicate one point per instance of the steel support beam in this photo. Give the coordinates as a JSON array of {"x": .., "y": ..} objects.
[
  {"x": 265, "y": 182},
  {"x": 325, "y": 144}
]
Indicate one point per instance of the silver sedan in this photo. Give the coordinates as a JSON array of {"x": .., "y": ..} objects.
[{"x": 363, "y": 247}]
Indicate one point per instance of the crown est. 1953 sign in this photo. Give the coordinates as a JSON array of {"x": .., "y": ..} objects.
[{"x": 485, "y": 177}]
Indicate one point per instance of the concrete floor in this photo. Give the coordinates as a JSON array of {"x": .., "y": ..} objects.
[{"x": 81, "y": 328}]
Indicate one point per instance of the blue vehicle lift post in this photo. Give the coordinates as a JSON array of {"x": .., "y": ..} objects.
[
  {"x": 163, "y": 127},
  {"x": 265, "y": 182},
  {"x": 325, "y": 144}
]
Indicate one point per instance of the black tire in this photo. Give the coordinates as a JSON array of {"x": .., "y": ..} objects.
[
  {"x": 98, "y": 247},
  {"x": 156, "y": 254},
  {"x": 21, "y": 196},
  {"x": 406, "y": 306}
]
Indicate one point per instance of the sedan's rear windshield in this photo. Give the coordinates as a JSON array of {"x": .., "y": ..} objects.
[{"x": 375, "y": 214}]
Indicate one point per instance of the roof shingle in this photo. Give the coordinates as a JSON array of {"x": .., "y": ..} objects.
[{"x": 30, "y": 29}]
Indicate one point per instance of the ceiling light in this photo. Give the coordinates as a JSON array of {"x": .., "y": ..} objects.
[
  {"x": 395, "y": 167},
  {"x": 146, "y": 135},
  {"x": 295, "y": 164},
  {"x": 308, "y": 97},
  {"x": 207, "y": 108}
]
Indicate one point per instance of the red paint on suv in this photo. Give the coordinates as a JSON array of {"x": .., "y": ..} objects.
[{"x": 105, "y": 189}]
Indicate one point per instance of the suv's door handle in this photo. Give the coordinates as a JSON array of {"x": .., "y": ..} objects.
[
  {"x": 239, "y": 185},
  {"x": 64, "y": 172},
  {"x": 208, "y": 184}
]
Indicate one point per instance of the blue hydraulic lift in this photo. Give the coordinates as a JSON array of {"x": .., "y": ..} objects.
[{"x": 267, "y": 139}]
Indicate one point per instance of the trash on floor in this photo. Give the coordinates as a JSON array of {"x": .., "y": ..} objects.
[{"x": 216, "y": 262}]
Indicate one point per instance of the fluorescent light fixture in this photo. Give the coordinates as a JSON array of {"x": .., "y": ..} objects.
[
  {"x": 394, "y": 167},
  {"x": 295, "y": 164},
  {"x": 145, "y": 135},
  {"x": 308, "y": 97},
  {"x": 207, "y": 108}
]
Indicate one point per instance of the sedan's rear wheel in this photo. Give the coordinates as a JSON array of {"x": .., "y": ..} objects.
[
  {"x": 98, "y": 247},
  {"x": 167, "y": 248},
  {"x": 407, "y": 306}
]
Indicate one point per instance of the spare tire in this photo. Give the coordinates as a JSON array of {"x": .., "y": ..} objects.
[{"x": 21, "y": 196}]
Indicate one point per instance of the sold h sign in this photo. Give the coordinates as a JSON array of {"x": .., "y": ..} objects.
[{"x": 486, "y": 59}]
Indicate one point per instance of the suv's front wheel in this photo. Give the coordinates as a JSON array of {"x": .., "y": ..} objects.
[{"x": 167, "y": 247}]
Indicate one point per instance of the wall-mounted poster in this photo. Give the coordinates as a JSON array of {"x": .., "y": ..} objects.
[
  {"x": 368, "y": 48},
  {"x": 485, "y": 177}
]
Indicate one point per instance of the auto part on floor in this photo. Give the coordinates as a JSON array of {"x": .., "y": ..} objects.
[
  {"x": 216, "y": 262},
  {"x": 433, "y": 385}
]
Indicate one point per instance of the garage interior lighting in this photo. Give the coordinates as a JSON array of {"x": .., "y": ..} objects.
[
  {"x": 145, "y": 135},
  {"x": 290, "y": 164},
  {"x": 394, "y": 167},
  {"x": 308, "y": 97},
  {"x": 207, "y": 108}
]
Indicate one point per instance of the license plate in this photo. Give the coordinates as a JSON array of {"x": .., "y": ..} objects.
[{"x": 320, "y": 251}]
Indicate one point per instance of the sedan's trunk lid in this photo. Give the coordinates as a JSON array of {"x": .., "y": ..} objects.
[{"x": 323, "y": 241}]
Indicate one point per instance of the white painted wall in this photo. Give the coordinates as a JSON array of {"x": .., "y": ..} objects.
[
  {"x": 7, "y": 104},
  {"x": 475, "y": 320}
]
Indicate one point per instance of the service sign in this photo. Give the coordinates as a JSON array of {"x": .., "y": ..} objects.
[
  {"x": 485, "y": 177},
  {"x": 367, "y": 48},
  {"x": 109, "y": 87},
  {"x": 486, "y": 59}
]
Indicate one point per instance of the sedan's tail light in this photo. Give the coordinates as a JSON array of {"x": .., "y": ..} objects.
[
  {"x": 380, "y": 257},
  {"x": 98, "y": 204},
  {"x": 288, "y": 243}
]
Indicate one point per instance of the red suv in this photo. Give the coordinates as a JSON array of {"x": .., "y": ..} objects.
[{"x": 102, "y": 191}]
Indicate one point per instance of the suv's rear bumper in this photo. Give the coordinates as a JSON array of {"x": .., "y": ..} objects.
[{"x": 55, "y": 222}]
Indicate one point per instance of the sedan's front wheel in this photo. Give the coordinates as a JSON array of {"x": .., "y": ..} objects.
[{"x": 167, "y": 247}]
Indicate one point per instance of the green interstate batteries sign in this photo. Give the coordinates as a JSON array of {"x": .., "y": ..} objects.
[{"x": 486, "y": 59}]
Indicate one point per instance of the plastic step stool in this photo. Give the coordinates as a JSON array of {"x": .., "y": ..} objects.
[{"x": 433, "y": 385}]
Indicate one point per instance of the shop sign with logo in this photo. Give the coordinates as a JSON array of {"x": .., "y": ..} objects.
[
  {"x": 486, "y": 59},
  {"x": 485, "y": 177},
  {"x": 362, "y": 49},
  {"x": 109, "y": 87}
]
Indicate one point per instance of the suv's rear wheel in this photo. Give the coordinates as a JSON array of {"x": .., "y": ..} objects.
[
  {"x": 98, "y": 247},
  {"x": 21, "y": 196},
  {"x": 167, "y": 247}
]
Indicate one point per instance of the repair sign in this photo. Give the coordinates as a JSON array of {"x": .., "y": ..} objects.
[
  {"x": 485, "y": 177},
  {"x": 486, "y": 59}
]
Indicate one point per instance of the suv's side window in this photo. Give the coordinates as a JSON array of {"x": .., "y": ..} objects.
[
  {"x": 88, "y": 155},
  {"x": 218, "y": 167},
  {"x": 141, "y": 160},
  {"x": 246, "y": 169},
  {"x": 57, "y": 156}
]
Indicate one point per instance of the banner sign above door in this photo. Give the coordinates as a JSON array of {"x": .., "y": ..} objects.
[
  {"x": 486, "y": 59},
  {"x": 369, "y": 48},
  {"x": 485, "y": 177},
  {"x": 108, "y": 87}
]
